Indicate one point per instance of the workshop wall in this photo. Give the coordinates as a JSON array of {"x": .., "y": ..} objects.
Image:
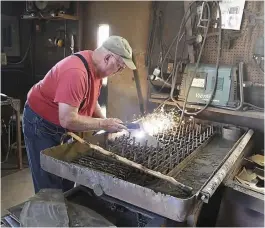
[
  {"x": 17, "y": 79},
  {"x": 46, "y": 53},
  {"x": 243, "y": 45},
  {"x": 130, "y": 20}
]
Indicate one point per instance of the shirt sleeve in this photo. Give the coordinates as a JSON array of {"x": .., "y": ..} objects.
[{"x": 72, "y": 87}]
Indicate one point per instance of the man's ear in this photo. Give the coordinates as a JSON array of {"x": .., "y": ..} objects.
[{"x": 107, "y": 57}]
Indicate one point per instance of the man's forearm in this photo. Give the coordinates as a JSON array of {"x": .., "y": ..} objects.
[
  {"x": 84, "y": 123},
  {"x": 98, "y": 112},
  {"x": 71, "y": 120}
]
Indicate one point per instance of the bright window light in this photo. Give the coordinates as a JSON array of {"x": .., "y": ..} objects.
[
  {"x": 104, "y": 110},
  {"x": 104, "y": 81},
  {"x": 103, "y": 34}
]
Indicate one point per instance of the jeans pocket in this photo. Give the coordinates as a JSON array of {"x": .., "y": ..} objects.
[{"x": 44, "y": 129}]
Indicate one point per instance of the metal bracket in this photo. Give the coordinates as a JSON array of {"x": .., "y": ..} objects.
[{"x": 201, "y": 19}]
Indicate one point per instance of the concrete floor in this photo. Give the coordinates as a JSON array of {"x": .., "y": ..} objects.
[
  {"x": 15, "y": 189},
  {"x": 11, "y": 166}
]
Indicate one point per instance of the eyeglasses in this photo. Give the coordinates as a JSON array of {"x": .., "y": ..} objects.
[{"x": 120, "y": 63}]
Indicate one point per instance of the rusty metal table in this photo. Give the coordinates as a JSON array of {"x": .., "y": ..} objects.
[{"x": 15, "y": 104}]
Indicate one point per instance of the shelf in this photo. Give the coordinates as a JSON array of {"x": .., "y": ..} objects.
[
  {"x": 57, "y": 17},
  {"x": 249, "y": 114}
]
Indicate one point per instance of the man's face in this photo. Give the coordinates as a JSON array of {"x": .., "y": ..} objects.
[{"x": 112, "y": 64}]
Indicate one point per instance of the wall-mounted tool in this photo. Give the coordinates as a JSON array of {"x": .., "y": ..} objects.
[
  {"x": 201, "y": 21},
  {"x": 59, "y": 42},
  {"x": 229, "y": 82},
  {"x": 59, "y": 39},
  {"x": 155, "y": 77},
  {"x": 56, "y": 42}
]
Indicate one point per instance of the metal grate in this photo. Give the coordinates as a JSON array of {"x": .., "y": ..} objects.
[
  {"x": 174, "y": 145},
  {"x": 178, "y": 143},
  {"x": 114, "y": 168}
]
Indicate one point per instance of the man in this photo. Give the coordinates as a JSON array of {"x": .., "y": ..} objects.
[{"x": 66, "y": 100}]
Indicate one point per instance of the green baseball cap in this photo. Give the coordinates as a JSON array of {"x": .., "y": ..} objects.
[{"x": 120, "y": 46}]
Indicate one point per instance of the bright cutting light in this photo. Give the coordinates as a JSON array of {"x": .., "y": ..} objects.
[
  {"x": 158, "y": 122},
  {"x": 103, "y": 34},
  {"x": 139, "y": 134}
]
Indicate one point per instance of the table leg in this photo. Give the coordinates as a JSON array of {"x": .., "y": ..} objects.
[{"x": 19, "y": 148}]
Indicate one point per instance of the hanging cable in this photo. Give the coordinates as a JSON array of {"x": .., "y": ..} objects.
[
  {"x": 176, "y": 68},
  {"x": 177, "y": 38},
  {"x": 150, "y": 48},
  {"x": 25, "y": 55},
  {"x": 196, "y": 67}
]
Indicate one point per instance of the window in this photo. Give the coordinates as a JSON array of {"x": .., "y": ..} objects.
[
  {"x": 103, "y": 34},
  {"x": 104, "y": 110}
]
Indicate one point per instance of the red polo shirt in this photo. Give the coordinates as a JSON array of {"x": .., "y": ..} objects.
[{"x": 67, "y": 82}]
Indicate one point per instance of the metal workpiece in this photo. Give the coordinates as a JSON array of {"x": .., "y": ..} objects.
[
  {"x": 191, "y": 153},
  {"x": 173, "y": 146}
]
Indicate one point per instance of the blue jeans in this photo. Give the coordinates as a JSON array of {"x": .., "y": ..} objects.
[{"x": 39, "y": 134}]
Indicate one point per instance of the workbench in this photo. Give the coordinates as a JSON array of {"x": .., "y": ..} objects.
[{"x": 15, "y": 104}]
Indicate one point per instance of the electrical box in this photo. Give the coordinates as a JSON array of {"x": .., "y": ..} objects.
[
  {"x": 203, "y": 84},
  {"x": 10, "y": 36}
]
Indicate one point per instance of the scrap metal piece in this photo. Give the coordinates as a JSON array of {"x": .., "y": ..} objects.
[
  {"x": 246, "y": 175},
  {"x": 251, "y": 180},
  {"x": 259, "y": 172},
  {"x": 46, "y": 209},
  {"x": 258, "y": 159}
]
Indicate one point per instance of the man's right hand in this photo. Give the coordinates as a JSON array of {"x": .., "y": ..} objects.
[
  {"x": 112, "y": 125},
  {"x": 71, "y": 120}
]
